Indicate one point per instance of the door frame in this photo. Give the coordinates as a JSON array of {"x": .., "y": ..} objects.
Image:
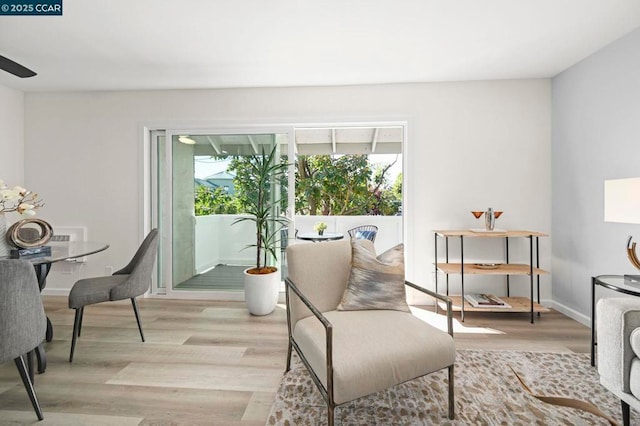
[
  {"x": 150, "y": 184},
  {"x": 165, "y": 274}
]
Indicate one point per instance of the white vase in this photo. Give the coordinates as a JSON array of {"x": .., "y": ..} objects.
[
  {"x": 261, "y": 292},
  {"x": 5, "y": 248}
]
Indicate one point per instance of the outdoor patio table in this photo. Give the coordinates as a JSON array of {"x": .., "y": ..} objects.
[{"x": 315, "y": 237}]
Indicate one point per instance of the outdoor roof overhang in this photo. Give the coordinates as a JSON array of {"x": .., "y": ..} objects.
[{"x": 309, "y": 141}]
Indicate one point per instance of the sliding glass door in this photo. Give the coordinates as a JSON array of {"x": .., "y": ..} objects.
[
  {"x": 344, "y": 176},
  {"x": 204, "y": 189}
]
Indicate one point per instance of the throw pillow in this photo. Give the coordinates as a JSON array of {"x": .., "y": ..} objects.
[{"x": 375, "y": 282}]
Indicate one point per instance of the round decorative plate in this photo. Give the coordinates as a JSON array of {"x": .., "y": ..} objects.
[{"x": 487, "y": 265}]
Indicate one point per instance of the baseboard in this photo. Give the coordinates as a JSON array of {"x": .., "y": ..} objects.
[
  {"x": 420, "y": 299},
  {"x": 56, "y": 292},
  {"x": 230, "y": 296},
  {"x": 239, "y": 296},
  {"x": 570, "y": 312}
]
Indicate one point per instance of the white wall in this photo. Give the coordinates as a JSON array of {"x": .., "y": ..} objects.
[
  {"x": 471, "y": 145},
  {"x": 12, "y": 137},
  {"x": 596, "y": 136}
]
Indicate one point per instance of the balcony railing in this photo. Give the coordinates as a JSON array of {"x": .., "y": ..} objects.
[{"x": 219, "y": 243}]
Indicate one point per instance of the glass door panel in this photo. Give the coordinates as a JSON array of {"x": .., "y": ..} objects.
[{"x": 209, "y": 190}]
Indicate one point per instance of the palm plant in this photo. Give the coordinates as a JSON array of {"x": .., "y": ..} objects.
[{"x": 265, "y": 170}]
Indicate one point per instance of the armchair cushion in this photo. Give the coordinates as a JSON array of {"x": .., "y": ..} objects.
[
  {"x": 634, "y": 339},
  {"x": 373, "y": 350},
  {"x": 634, "y": 378},
  {"x": 375, "y": 282}
]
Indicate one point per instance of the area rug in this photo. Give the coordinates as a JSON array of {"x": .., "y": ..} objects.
[{"x": 486, "y": 393}]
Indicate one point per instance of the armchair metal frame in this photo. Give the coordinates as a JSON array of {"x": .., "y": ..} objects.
[{"x": 327, "y": 393}]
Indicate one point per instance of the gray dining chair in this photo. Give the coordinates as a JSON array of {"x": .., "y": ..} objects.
[
  {"x": 23, "y": 323},
  {"x": 127, "y": 283}
]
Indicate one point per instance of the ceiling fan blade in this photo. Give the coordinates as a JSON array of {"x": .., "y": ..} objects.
[{"x": 15, "y": 68}]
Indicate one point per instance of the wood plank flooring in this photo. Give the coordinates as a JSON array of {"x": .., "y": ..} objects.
[{"x": 205, "y": 362}]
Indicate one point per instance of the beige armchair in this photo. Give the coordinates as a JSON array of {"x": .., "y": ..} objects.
[
  {"x": 618, "y": 330},
  {"x": 351, "y": 354}
]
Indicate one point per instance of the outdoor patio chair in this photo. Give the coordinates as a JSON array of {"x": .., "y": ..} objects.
[
  {"x": 365, "y": 232},
  {"x": 127, "y": 283},
  {"x": 23, "y": 323},
  {"x": 353, "y": 351}
]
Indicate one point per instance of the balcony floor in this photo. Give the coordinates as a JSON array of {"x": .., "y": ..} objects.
[{"x": 220, "y": 278}]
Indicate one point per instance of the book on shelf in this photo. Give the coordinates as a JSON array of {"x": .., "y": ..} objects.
[{"x": 484, "y": 300}]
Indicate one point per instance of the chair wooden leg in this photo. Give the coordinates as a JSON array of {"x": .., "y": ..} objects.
[
  {"x": 76, "y": 329},
  {"x": 135, "y": 310},
  {"x": 451, "y": 395},
  {"x": 626, "y": 413},
  {"x": 28, "y": 384}
]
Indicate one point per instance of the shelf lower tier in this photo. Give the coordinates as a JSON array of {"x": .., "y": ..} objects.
[
  {"x": 518, "y": 304},
  {"x": 500, "y": 269}
]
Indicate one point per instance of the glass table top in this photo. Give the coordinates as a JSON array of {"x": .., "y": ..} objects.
[
  {"x": 622, "y": 282},
  {"x": 68, "y": 250}
]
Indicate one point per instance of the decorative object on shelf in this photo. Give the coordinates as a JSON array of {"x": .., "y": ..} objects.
[
  {"x": 490, "y": 217},
  {"x": 483, "y": 300},
  {"x": 622, "y": 205},
  {"x": 23, "y": 234},
  {"x": 16, "y": 199},
  {"x": 320, "y": 227},
  {"x": 633, "y": 258},
  {"x": 487, "y": 265}
]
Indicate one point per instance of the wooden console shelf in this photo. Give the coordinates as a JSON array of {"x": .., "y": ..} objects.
[
  {"x": 504, "y": 268},
  {"x": 518, "y": 304}
]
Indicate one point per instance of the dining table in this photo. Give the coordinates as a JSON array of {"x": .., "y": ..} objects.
[{"x": 60, "y": 251}]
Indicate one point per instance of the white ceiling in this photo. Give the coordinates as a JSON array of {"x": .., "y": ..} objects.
[{"x": 177, "y": 44}]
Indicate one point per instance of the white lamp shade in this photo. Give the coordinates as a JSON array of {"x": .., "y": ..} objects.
[{"x": 622, "y": 200}]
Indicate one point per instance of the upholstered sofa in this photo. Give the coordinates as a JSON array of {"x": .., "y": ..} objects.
[
  {"x": 354, "y": 352},
  {"x": 618, "y": 331}
]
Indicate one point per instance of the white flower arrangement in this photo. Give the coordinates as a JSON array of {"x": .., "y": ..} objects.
[
  {"x": 18, "y": 199},
  {"x": 319, "y": 227}
]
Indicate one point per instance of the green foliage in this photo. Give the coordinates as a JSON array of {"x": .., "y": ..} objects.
[
  {"x": 244, "y": 182},
  {"x": 255, "y": 183},
  {"x": 325, "y": 185},
  {"x": 215, "y": 201},
  {"x": 343, "y": 185}
]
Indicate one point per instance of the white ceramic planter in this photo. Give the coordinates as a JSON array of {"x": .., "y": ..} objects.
[{"x": 261, "y": 292}]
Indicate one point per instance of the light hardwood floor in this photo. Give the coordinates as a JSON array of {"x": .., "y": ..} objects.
[{"x": 204, "y": 362}]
